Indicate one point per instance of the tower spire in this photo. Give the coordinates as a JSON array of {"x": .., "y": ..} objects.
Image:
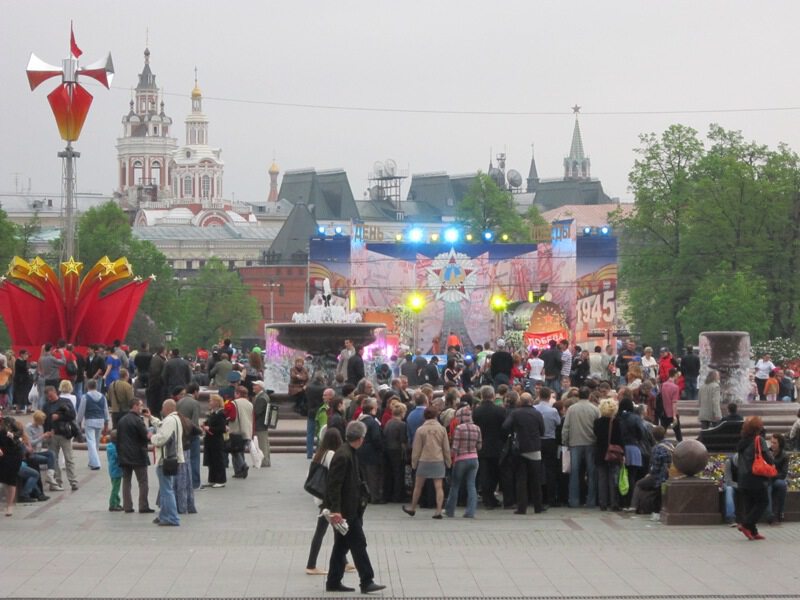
[
  {"x": 577, "y": 164},
  {"x": 533, "y": 174}
]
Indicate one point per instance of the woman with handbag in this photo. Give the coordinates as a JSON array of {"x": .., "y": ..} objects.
[
  {"x": 331, "y": 441},
  {"x": 609, "y": 455},
  {"x": 430, "y": 459},
  {"x": 756, "y": 467},
  {"x": 215, "y": 428}
]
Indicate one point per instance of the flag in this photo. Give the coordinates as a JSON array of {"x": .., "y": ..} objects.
[{"x": 73, "y": 47}]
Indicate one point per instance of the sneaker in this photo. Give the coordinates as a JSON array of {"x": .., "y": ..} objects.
[
  {"x": 217, "y": 485},
  {"x": 42, "y": 498},
  {"x": 655, "y": 517},
  {"x": 316, "y": 571},
  {"x": 54, "y": 487},
  {"x": 73, "y": 487}
]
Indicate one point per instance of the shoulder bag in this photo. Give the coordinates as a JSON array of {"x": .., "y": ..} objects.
[
  {"x": 317, "y": 480},
  {"x": 761, "y": 468},
  {"x": 614, "y": 452}
]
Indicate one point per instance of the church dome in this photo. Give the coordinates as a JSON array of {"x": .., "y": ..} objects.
[
  {"x": 274, "y": 168},
  {"x": 196, "y": 93}
]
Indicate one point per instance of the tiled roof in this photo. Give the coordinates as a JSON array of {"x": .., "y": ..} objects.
[{"x": 586, "y": 215}]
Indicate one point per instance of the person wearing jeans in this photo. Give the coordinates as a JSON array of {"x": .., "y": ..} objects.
[
  {"x": 466, "y": 443},
  {"x": 93, "y": 413},
  {"x": 578, "y": 434},
  {"x": 777, "y": 487},
  {"x": 168, "y": 439},
  {"x": 30, "y": 487}
]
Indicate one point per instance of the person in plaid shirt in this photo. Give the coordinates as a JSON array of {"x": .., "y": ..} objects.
[
  {"x": 660, "y": 462},
  {"x": 466, "y": 443}
]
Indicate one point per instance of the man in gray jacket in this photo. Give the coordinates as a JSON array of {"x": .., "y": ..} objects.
[
  {"x": 49, "y": 366},
  {"x": 578, "y": 435}
]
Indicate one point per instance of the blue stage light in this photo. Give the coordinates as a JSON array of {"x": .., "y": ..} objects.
[
  {"x": 451, "y": 235},
  {"x": 488, "y": 236},
  {"x": 587, "y": 231},
  {"x": 605, "y": 230},
  {"x": 338, "y": 230},
  {"x": 321, "y": 229},
  {"x": 416, "y": 235}
]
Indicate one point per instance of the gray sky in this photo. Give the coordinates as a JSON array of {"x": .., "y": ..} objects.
[{"x": 459, "y": 55}]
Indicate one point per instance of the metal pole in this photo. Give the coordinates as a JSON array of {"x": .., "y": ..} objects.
[
  {"x": 68, "y": 246},
  {"x": 271, "y": 303}
]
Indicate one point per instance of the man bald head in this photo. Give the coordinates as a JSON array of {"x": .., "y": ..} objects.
[{"x": 168, "y": 407}]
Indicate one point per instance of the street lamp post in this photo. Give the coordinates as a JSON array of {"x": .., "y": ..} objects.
[
  {"x": 664, "y": 337},
  {"x": 272, "y": 285}
]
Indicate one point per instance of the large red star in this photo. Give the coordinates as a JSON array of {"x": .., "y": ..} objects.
[{"x": 452, "y": 264}]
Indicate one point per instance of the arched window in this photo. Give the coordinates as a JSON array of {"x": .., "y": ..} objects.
[
  {"x": 206, "y": 182},
  {"x": 155, "y": 173},
  {"x": 187, "y": 186},
  {"x": 138, "y": 172}
]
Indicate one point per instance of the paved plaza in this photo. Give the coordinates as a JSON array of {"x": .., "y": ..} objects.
[{"x": 251, "y": 539}]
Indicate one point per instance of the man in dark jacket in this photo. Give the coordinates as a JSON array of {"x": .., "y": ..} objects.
[
  {"x": 132, "y": 438},
  {"x": 314, "y": 400},
  {"x": 345, "y": 501},
  {"x": 527, "y": 424},
  {"x": 501, "y": 365},
  {"x": 432, "y": 372},
  {"x": 690, "y": 369},
  {"x": 370, "y": 454},
  {"x": 60, "y": 421},
  {"x": 142, "y": 365},
  {"x": 489, "y": 418},
  {"x": 552, "y": 367},
  {"x": 177, "y": 371},
  {"x": 355, "y": 367},
  {"x": 155, "y": 382}
]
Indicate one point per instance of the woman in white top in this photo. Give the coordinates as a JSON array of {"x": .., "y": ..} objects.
[
  {"x": 764, "y": 367},
  {"x": 649, "y": 365},
  {"x": 331, "y": 441},
  {"x": 65, "y": 390},
  {"x": 535, "y": 366}
]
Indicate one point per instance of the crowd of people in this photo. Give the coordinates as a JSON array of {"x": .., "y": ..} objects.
[{"x": 97, "y": 400}]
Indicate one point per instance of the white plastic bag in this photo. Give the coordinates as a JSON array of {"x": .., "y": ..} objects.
[
  {"x": 33, "y": 396},
  {"x": 256, "y": 455},
  {"x": 565, "y": 459}
]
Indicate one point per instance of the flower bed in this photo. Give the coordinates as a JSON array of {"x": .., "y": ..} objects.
[{"x": 715, "y": 470}]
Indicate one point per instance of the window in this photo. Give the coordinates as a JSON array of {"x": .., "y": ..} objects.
[
  {"x": 231, "y": 264},
  {"x": 155, "y": 129},
  {"x": 189, "y": 264},
  {"x": 138, "y": 172},
  {"x": 187, "y": 186},
  {"x": 202, "y": 263},
  {"x": 155, "y": 173},
  {"x": 206, "y": 182},
  {"x": 249, "y": 263}
]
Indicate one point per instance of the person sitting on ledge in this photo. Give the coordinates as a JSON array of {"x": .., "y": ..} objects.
[
  {"x": 733, "y": 413},
  {"x": 660, "y": 462}
]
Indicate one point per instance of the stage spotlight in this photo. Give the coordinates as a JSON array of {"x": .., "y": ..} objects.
[
  {"x": 605, "y": 229},
  {"x": 504, "y": 237},
  {"x": 488, "y": 236},
  {"x": 587, "y": 230},
  {"x": 498, "y": 302},
  {"x": 416, "y": 302},
  {"x": 415, "y": 235},
  {"x": 434, "y": 237},
  {"x": 398, "y": 237},
  {"x": 468, "y": 237},
  {"x": 451, "y": 235},
  {"x": 321, "y": 229},
  {"x": 338, "y": 230}
]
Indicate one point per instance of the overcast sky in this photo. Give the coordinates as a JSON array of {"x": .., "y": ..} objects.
[{"x": 459, "y": 55}]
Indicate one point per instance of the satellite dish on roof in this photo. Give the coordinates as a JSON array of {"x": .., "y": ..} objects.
[
  {"x": 514, "y": 178},
  {"x": 377, "y": 169},
  {"x": 498, "y": 177},
  {"x": 390, "y": 167}
]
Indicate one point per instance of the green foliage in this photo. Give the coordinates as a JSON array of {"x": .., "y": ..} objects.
[
  {"x": 737, "y": 202},
  {"x": 214, "y": 305},
  {"x": 486, "y": 206},
  {"x": 9, "y": 240},
  {"x": 727, "y": 300}
]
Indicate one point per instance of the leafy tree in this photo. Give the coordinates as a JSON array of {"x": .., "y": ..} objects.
[
  {"x": 215, "y": 304},
  {"x": 654, "y": 266},
  {"x": 9, "y": 245},
  {"x": 727, "y": 300},
  {"x": 486, "y": 206}
]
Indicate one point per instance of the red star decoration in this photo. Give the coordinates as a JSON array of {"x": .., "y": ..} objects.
[{"x": 452, "y": 263}]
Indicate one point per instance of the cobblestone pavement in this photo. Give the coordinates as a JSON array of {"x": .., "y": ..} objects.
[{"x": 251, "y": 539}]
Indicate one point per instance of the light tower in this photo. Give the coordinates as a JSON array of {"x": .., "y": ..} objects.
[{"x": 70, "y": 103}]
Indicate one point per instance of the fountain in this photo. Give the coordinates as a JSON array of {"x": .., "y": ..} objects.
[
  {"x": 321, "y": 331},
  {"x": 729, "y": 353}
]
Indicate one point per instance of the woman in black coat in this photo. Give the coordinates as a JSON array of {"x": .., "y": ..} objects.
[
  {"x": 10, "y": 459},
  {"x": 752, "y": 488},
  {"x": 214, "y": 444}
]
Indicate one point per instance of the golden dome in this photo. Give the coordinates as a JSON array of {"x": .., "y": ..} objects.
[
  {"x": 196, "y": 93},
  {"x": 274, "y": 168}
]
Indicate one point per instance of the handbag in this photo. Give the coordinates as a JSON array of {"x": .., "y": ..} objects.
[
  {"x": 317, "y": 480},
  {"x": 623, "y": 483},
  {"x": 761, "y": 468},
  {"x": 614, "y": 452},
  {"x": 566, "y": 460},
  {"x": 169, "y": 466}
]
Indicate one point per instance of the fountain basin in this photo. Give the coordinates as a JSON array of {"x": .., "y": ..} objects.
[{"x": 324, "y": 339}]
